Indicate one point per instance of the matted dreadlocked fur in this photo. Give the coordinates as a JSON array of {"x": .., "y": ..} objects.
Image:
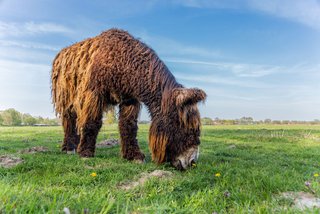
[{"x": 115, "y": 68}]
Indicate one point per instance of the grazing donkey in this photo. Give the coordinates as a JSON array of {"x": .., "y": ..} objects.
[{"x": 114, "y": 68}]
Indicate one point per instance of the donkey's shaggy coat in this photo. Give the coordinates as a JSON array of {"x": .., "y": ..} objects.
[{"x": 115, "y": 68}]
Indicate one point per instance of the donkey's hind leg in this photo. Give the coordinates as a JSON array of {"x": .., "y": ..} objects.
[
  {"x": 71, "y": 138},
  {"x": 89, "y": 133},
  {"x": 128, "y": 115}
]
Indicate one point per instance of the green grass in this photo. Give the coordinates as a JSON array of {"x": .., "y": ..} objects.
[{"x": 257, "y": 163}]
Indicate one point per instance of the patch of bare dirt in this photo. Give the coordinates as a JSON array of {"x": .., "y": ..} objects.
[
  {"x": 28, "y": 140},
  {"x": 232, "y": 146},
  {"x": 9, "y": 161},
  {"x": 302, "y": 200},
  {"x": 35, "y": 149},
  {"x": 108, "y": 143},
  {"x": 144, "y": 177}
]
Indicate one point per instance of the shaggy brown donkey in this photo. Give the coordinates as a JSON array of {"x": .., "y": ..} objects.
[{"x": 115, "y": 68}]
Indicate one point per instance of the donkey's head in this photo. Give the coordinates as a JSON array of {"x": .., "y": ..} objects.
[{"x": 174, "y": 137}]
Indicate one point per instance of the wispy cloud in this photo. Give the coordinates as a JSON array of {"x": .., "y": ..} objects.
[
  {"x": 306, "y": 12},
  {"x": 27, "y": 45},
  {"x": 16, "y": 29},
  {"x": 25, "y": 86},
  {"x": 260, "y": 85},
  {"x": 213, "y": 60},
  {"x": 10, "y": 66},
  {"x": 219, "y": 80},
  {"x": 167, "y": 47},
  {"x": 28, "y": 55},
  {"x": 210, "y": 3},
  {"x": 45, "y": 28},
  {"x": 239, "y": 69},
  {"x": 215, "y": 93}
]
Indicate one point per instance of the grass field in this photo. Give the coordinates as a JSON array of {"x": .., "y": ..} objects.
[{"x": 255, "y": 163}]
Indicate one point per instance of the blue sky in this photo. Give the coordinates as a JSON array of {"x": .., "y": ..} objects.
[{"x": 258, "y": 58}]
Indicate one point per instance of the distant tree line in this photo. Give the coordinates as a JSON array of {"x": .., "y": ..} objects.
[
  {"x": 12, "y": 117},
  {"x": 251, "y": 121}
]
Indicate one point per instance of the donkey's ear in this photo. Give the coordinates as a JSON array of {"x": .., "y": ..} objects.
[{"x": 188, "y": 96}]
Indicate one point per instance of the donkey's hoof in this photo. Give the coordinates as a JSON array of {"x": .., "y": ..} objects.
[
  {"x": 71, "y": 152},
  {"x": 136, "y": 157},
  {"x": 86, "y": 154},
  {"x": 139, "y": 158},
  {"x": 139, "y": 161}
]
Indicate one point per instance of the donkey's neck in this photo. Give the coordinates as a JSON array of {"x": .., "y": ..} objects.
[{"x": 158, "y": 90}]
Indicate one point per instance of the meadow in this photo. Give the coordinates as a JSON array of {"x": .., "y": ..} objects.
[{"x": 242, "y": 169}]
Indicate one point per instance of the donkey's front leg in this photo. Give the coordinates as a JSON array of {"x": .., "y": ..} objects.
[{"x": 128, "y": 115}]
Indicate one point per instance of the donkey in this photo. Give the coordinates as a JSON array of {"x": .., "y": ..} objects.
[{"x": 114, "y": 68}]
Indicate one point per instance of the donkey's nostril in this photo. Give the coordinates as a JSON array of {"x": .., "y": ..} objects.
[{"x": 192, "y": 162}]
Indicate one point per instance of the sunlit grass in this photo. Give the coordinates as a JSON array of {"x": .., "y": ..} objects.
[{"x": 242, "y": 169}]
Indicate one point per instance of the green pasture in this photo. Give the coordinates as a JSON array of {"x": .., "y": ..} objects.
[{"x": 256, "y": 165}]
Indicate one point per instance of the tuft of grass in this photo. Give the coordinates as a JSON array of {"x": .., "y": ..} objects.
[{"x": 242, "y": 169}]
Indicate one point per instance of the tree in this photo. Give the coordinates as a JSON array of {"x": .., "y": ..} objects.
[
  {"x": 245, "y": 120},
  {"x": 276, "y": 122},
  {"x": 285, "y": 122},
  {"x": 206, "y": 121},
  {"x": 1, "y": 120},
  {"x": 28, "y": 120},
  {"x": 267, "y": 121},
  {"x": 6, "y": 117},
  {"x": 110, "y": 117},
  {"x": 40, "y": 120},
  {"x": 11, "y": 117}
]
